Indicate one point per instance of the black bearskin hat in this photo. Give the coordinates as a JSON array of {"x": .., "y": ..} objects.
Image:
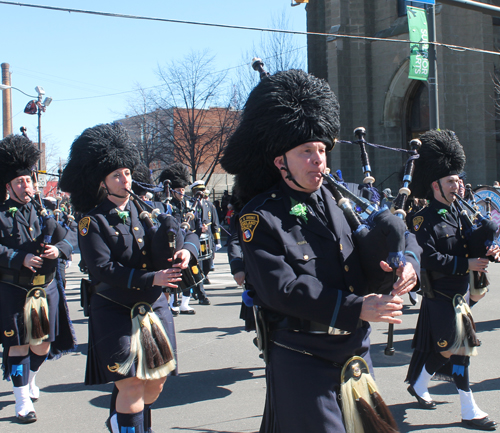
[
  {"x": 142, "y": 174},
  {"x": 94, "y": 154},
  {"x": 177, "y": 174},
  {"x": 18, "y": 157},
  {"x": 441, "y": 155},
  {"x": 282, "y": 112}
]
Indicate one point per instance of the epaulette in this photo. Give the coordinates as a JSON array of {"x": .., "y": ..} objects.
[{"x": 259, "y": 200}]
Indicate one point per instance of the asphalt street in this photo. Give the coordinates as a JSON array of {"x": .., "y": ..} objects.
[{"x": 221, "y": 385}]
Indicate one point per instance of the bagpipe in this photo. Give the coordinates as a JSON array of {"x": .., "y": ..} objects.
[
  {"x": 378, "y": 232},
  {"x": 52, "y": 231},
  {"x": 381, "y": 235},
  {"x": 480, "y": 232},
  {"x": 36, "y": 308},
  {"x": 166, "y": 238}
]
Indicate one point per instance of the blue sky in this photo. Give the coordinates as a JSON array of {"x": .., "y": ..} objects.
[{"x": 80, "y": 60}]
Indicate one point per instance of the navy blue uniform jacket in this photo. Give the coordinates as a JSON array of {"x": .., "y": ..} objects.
[{"x": 301, "y": 269}]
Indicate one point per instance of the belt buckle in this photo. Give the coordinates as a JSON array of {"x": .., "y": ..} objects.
[
  {"x": 38, "y": 280},
  {"x": 336, "y": 331}
]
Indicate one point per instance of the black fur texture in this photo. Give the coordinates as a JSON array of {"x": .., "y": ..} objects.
[
  {"x": 97, "y": 152},
  {"x": 142, "y": 174},
  {"x": 282, "y": 112},
  {"x": 18, "y": 157},
  {"x": 177, "y": 174},
  {"x": 441, "y": 155}
]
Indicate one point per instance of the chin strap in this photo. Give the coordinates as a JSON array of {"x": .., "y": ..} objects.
[
  {"x": 442, "y": 192},
  {"x": 109, "y": 193},
  {"x": 14, "y": 192},
  {"x": 289, "y": 175}
]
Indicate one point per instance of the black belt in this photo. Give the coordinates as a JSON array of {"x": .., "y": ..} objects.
[
  {"x": 295, "y": 324},
  {"x": 30, "y": 281}
]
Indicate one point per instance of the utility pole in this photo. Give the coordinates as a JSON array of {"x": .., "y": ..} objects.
[
  {"x": 6, "y": 101},
  {"x": 432, "y": 79}
]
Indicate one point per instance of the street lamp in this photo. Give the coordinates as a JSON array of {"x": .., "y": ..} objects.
[
  {"x": 34, "y": 107},
  {"x": 5, "y": 87},
  {"x": 38, "y": 107}
]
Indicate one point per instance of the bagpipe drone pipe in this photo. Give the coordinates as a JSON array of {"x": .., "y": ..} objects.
[
  {"x": 381, "y": 236},
  {"x": 52, "y": 231},
  {"x": 480, "y": 232},
  {"x": 378, "y": 232},
  {"x": 166, "y": 238}
]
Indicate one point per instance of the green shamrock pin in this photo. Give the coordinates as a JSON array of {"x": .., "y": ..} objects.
[
  {"x": 123, "y": 215},
  {"x": 299, "y": 210}
]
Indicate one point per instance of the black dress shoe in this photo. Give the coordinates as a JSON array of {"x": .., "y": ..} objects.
[
  {"x": 481, "y": 424},
  {"x": 204, "y": 301},
  {"x": 27, "y": 419},
  {"x": 188, "y": 312},
  {"x": 175, "y": 313},
  {"x": 424, "y": 404},
  {"x": 206, "y": 281}
]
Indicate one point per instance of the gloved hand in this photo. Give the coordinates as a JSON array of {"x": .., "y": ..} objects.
[{"x": 218, "y": 247}]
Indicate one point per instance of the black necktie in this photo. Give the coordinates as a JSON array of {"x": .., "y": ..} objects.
[{"x": 318, "y": 207}]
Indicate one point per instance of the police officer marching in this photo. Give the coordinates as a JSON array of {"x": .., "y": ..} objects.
[
  {"x": 300, "y": 260},
  {"x": 444, "y": 337},
  {"x": 31, "y": 243},
  {"x": 131, "y": 329},
  {"x": 178, "y": 175}
]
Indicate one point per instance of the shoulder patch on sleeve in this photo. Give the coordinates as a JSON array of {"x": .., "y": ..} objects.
[
  {"x": 248, "y": 224},
  {"x": 417, "y": 222},
  {"x": 83, "y": 226}
]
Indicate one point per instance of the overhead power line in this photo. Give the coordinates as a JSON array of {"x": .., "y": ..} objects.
[{"x": 229, "y": 26}]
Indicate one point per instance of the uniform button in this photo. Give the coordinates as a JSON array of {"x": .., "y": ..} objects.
[
  {"x": 346, "y": 268},
  {"x": 447, "y": 235},
  {"x": 463, "y": 237},
  {"x": 31, "y": 229},
  {"x": 139, "y": 240},
  {"x": 306, "y": 257},
  {"x": 144, "y": 265},
  {"x": 466, "y": 255},
  {"x": 116, "y": 233},
  {"x": 351, "y": 289},
  {"x": 273, "y": 195},
  {"x": 38, "y": 251},
  {"x": 341, "y": 247},
  {"x": 136, "y": 228},
  {"x": 144, "y": 252},
  {"x": 465, "y": 245}
]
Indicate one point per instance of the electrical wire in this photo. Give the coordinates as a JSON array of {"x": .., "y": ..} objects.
[{"x": 259, "y": 29}]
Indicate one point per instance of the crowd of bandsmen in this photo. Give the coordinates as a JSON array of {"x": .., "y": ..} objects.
[{"x": 148, "y": 251}]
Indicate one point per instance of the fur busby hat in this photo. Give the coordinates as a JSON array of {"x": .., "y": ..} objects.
[
  {"x": 142, "y": 174},
  {"x": 441, "y": 155},
  {"x": 94, "y": 154},
  {"x": 177, "y": 174},
  {"x": 18, "y": 157},
  {"x": 282, "y": 112}
]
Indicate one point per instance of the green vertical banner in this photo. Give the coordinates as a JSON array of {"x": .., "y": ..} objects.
[{"x": 419, "y": 48}]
